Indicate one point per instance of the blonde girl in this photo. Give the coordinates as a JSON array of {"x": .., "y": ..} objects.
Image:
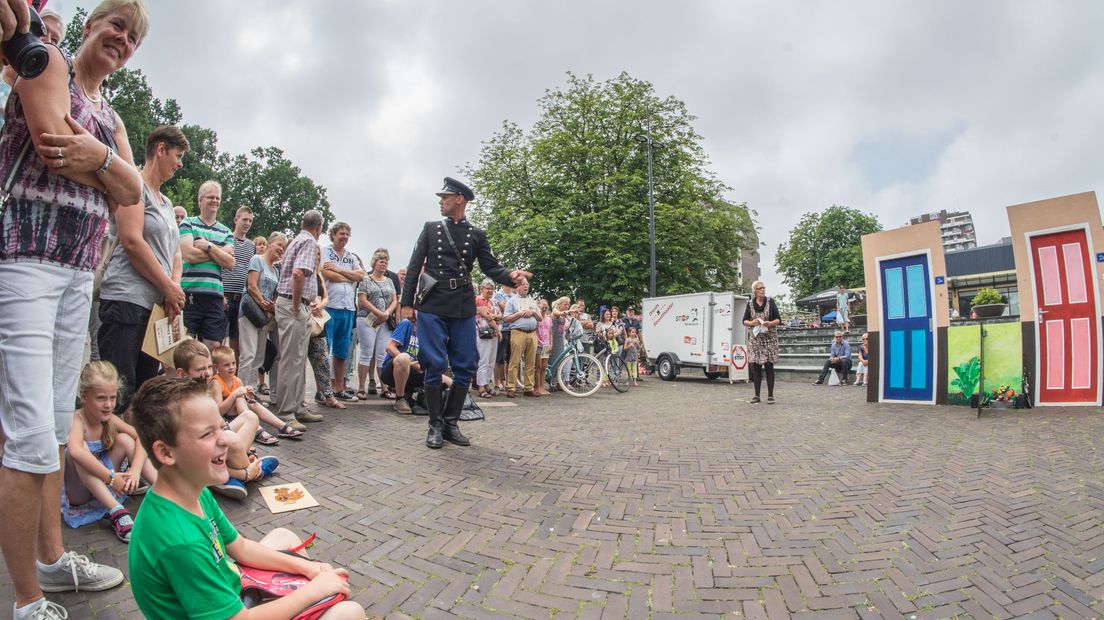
[
  {"x": 632, "y": 354},
  {"x": 544, "y": 346},
  {"x": 98, "y": 442}
]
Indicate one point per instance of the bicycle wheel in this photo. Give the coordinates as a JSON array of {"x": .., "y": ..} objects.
[
  {"x": 580, "y": 375},
  {"x": 617, "y": 373}
]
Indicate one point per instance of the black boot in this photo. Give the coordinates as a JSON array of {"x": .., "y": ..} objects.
[
  {"x": 454, "y": 403},
  {"x": 434, "y": 439}
]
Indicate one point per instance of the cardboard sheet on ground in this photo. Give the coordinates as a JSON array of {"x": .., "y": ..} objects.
[
  {"x": 162, "y": 336},
  {"x": 287, "y": 497}
]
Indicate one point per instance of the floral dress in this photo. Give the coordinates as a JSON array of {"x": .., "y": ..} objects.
[
  {"x": 762, "y": 348},
  {"x": 76, "y": 515}
]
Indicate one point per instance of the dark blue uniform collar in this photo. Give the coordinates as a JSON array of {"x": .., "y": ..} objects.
[{"x": 463, "y": 222}]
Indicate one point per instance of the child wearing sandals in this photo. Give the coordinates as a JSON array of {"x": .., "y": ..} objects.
[
  {"x": 98, "y": 442},
  {"x": 234, "y": 399},
  {"x": 193, "y": 361}
]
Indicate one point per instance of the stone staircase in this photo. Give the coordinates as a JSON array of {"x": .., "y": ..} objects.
[{"x": 802, "y": 351}]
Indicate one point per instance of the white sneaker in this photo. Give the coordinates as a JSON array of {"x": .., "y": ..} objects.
[
  {"x": 78, "y": 573},
  {"x": 46, "y": 610}
]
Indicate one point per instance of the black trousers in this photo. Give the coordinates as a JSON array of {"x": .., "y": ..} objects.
[
  {"x": 843, "y": 367},
  {"x": 122, "y": 329}
]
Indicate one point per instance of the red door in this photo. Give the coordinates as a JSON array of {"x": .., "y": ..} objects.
[{"x": 1065, "y": 295}]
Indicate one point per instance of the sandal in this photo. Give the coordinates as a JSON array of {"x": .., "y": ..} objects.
[
  {"x": 265, "y": 439},
  {"x": 333, "y": 403},
  {"x": 122, "y": 531},
  {"x": 287, "y": 431},
  {"x": 362, "y": 395},
  {"x": 263, "y": 389},
  {"x": 372, "y": 389},
  {"x": 388, "y": 394}
]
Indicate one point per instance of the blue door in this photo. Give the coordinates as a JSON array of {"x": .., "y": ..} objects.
[{"x": 907, "y": 329}]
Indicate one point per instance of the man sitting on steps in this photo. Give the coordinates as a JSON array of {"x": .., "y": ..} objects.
[{"x": 839, "y": 359}]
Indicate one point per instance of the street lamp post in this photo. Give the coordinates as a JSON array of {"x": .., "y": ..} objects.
[{"x": 646, "y": 139}]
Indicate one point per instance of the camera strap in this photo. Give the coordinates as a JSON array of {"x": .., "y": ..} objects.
[
  {"x": 9, "y": 179},
  {"x": 448, "y": 235}
]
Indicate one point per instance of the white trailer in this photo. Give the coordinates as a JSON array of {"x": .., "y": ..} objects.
[{"x": 696, "y": 330}]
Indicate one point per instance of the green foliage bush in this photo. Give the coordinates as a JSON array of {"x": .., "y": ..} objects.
[{"x": 987, "y": 296}]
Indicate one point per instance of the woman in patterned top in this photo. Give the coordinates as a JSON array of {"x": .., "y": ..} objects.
[{"x": 66, "y": 154}]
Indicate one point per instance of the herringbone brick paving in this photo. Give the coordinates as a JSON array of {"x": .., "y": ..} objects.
[{"x": 680, "y": 500}]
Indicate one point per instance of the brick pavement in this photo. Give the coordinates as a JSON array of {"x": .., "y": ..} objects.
[{"x": 676, "y": 500}]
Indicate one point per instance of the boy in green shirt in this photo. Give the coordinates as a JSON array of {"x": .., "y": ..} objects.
[{"x": 184, "y": 552}]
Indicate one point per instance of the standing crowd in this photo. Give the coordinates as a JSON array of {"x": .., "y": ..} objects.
[{"x": 92, "y": 251}]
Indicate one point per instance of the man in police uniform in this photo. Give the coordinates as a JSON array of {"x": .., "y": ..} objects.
[{"x": 446, "y": 314}]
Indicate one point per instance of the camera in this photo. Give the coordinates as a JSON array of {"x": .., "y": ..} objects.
[{"x": 25, "y": 52}]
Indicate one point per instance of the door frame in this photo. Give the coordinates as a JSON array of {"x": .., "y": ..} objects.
[
  {"x": 927, "y": 253},
  {"x": 1096, "y": 303}
]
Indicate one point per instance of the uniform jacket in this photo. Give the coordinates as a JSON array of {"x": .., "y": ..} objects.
[{"x": 434, "y": 253}]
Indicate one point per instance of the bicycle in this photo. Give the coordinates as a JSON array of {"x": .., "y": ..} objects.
[
  {"x": 577, "y": 373},
  {"x": 617, "y": 372}
]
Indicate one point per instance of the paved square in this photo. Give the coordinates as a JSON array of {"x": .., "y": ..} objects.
[{"x": 681, "y": 500}]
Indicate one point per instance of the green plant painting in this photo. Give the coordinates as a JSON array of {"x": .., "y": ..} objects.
[
  {"x": 1001, "y": 363},
  {"x": 966, "y": 376},
  {"x": 963, "y": 352}
]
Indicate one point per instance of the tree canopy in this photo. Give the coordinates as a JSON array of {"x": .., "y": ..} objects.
[
  {"x": 824, "y": 250},
  {"x": 568, "y": 199},
  {"x": 264, "y": 179}
]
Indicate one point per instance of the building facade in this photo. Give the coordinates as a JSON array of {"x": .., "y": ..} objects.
[{"x": 956, "y": 229}]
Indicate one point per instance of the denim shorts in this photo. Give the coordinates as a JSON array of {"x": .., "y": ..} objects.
[
  {"x": 44, "y": 312},
  {"x": 339, "y": 331},
  {"x": 205, "y": 316}
]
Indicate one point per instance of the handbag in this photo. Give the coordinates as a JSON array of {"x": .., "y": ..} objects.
[
  {"x": 249, "y": 308},
  {"x": 318, "y": 324},
  {"x": 486, "y": 331},
  {"x": 260, "y": 586},
  {"x": 426, "y": 283}
]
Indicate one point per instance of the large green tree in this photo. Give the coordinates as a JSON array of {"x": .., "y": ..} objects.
[
  {"x": 824, "y": 250},
  {"x": 264, "y": 179},
  {"x": 568, "y": 199},
  {"x": 276, "y": 190}
]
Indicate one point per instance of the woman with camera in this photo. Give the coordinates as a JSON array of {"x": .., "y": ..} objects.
[{"x": 65, "y": 161}]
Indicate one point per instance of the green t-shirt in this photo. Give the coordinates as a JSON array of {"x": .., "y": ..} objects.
[
  {"x": 204, "y": 278},
  {"x": 178, "y": 562}
]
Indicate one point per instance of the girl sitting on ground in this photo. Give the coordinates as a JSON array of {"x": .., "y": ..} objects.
[{"x": 98, "y": 442}]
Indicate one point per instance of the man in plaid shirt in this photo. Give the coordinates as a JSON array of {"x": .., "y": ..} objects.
[{"x": 296, "y": 298}]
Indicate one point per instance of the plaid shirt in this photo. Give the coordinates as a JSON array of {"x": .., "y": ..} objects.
[{"x": 303, "y": 253}]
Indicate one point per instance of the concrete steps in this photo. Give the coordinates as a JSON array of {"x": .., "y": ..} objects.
[{"x": 802, "y": 351}]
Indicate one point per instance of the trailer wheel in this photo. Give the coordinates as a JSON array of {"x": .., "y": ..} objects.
[
  {"x": 711, "y": 375},
  {"x": 666, "y": 368}
]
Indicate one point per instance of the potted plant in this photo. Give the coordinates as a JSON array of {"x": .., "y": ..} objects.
[
  {"x": 988, "y": 303},
  {"x": 1003, "y": 397}
]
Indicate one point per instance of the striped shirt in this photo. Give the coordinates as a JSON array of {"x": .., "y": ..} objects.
[
  {"x": 234, "y": 281},
  {"x": 204, "y": 278},
  {"x": 303, "y": 253}
]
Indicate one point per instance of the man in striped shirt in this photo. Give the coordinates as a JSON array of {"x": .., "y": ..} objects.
[
  {"x": 207, "y": 249},
  {"x": 233, "y": 282}
]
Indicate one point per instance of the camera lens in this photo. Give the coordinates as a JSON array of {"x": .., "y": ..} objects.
[{"x": 27, "y": 55}]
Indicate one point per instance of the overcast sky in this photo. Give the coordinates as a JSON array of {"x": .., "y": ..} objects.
[{"x": 895, "y": 108}]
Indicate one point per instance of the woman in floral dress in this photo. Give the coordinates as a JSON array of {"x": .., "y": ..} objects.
[{"x": 762, "y": 319}]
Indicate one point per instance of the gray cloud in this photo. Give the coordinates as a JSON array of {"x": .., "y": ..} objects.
[{"x": 897, "y": 108}]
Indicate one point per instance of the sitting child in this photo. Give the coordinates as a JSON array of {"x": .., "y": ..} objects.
[
  {"x": 193, "y": 360},
  {"x": 184, "y": 552},
  {"x": 234, "y": 399},
  {"x": 98, "y": 442}
]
